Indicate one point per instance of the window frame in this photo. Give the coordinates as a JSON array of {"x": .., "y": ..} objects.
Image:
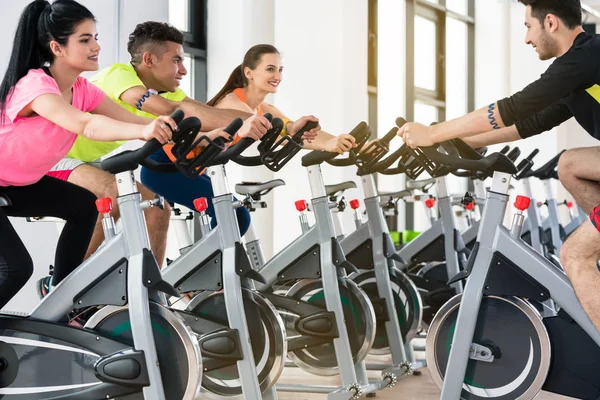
[
  {"x": 438, "y": 13},
  {"x": 195, "y": 45}
]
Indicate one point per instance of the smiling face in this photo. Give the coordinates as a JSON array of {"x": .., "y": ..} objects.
[
  {"x": 82, "y": 48},
  {"x": 168, "y": 69},
  {"x": 540, "y": 37},
  {"x": 268, "y": 73}
]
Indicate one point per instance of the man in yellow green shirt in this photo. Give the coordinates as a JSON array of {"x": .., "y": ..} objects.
[{"x": 147, "y": 86}]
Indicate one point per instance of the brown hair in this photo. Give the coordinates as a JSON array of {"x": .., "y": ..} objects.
[{"x": 237, "y": 79}]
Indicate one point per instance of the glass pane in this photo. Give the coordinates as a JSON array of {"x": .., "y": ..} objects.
[
  {"x": 456, "y": 68},
  {"x": 425, "y": 53},
  {"x": 179, "y": 14},
  {"x": 459, "y": 6},
  {"x": 425, "y": 114},
  {"x": 187, "y": 81}
]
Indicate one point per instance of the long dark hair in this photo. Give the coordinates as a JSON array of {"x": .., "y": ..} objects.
[
  {"x": 40, "y": 23},
  {"x": 237, "y": 79}
]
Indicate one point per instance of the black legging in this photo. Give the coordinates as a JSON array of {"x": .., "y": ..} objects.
[{"x": 50, "y": 197}]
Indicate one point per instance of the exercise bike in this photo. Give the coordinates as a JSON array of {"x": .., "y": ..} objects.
[
  {"x": 132, "y": 348},
  {"x": 491, "y": 342}
]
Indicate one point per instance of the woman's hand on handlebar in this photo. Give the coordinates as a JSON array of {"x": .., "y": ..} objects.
[
  {"x": 366, "y": 145},
  {"x": 416, "y": 135},
  {"x": 340, "y": 144},
  {"x": 159, "y": 129},
  {"x": 294, "y": 126},
  {"x": 212, "y": 135},
  {"x": 254, "y": 127}
]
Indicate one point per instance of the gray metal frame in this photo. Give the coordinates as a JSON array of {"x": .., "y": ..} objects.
[
  {"x": 533, "y": 218},
  {"x": 375, "y": 228},
  {"x": 445, "y": 225},
  {"x": 553, "y": 217},
  {"x": 224, "y": 237},
  {"x": 493, "y": 236},
  {"x": 129, "y": 243},
  {"x": 352, "y": 375}
]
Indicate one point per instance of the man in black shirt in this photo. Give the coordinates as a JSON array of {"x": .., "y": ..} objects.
[{"x": 569, "y": 88}]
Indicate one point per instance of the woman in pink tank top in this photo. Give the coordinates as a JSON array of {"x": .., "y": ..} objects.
[{"x": 44, "y": 105}]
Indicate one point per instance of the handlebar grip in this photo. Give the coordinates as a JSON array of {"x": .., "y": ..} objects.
[
  {"x": 234, "y": 126},
  {"x": 514, "y": 154},
  {"x": 533, "y": 154},
  {"x": 178, "y": 116},
  {"x": 319, "y": 156},
  {"x": 388, "y": 136},
  {"x": 237, "y": 149},
  {"x": 505, "y": 150},
  {"x": 309, "y": 125}
]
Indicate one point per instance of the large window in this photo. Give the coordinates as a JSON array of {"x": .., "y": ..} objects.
[
  {"x": 189, "y": 16},
  {"x": 440, "y": 62},
  {"x": 440, "y": 68}
]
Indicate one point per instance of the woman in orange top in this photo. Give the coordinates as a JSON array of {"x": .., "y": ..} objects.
[{"x": 251, "y": 82}]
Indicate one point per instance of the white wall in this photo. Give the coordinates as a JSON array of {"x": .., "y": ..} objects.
[
  {"x": 325, "y": 48},
  {"x": 391, "y": 102},
  {"x": 247, "y": 23},
  {"x": 323, "y": 45}
]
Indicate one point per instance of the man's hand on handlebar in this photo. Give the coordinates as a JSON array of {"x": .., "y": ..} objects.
[
  {"x": 159, "y": 129},
  {"x": 294, "y": 126},
  {"x": 416, "y": 135},
  {"x": 340, "y": 144},
  {"x": 254, "y": 127}
]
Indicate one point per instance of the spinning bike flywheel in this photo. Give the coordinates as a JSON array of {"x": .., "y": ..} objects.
[
  {"x": 177, "y": 348},
  {"x": 407, "y": 301},
  {"x": 510, "y": 352},
  {"x": 360, "y": 323},
  {"x": 268, "y": 339}
]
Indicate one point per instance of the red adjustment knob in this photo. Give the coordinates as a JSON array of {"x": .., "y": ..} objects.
[
  {"x": 569, "y": 204},
  {"x": 470, "y": 206},
  {"x": 104, "y": 205},
  {"x": 430, "y": 203},
  {"x": 522, "y": 203},
  {"x": 201, "y": 204},
  {"x": 354, "y": 204},
  {"x": 539, "y": 204},
  {"x": 301, "y": 205}
]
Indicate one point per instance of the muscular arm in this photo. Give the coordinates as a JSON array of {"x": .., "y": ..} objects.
[
  {"x": 542, "y": 121},
  {"x": 157, "y": 105},
  {"x": 573, "y": 71},
  {"x": 230, "y": 114},
  {"x": 508, "y": 134}
]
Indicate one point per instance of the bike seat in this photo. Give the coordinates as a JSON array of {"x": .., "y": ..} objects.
[
  {"x": 4, "y": 200},
  {"x": 420, "y": 185},
  {"x": 397, "y": 195},
  {"x": 254, "y": 188},
  {"x": 340, "y": 187}
]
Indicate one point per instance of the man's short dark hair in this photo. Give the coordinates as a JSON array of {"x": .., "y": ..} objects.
[
  {"x": 149, "y": 36},
  {"x": 569, "y": 11}
]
